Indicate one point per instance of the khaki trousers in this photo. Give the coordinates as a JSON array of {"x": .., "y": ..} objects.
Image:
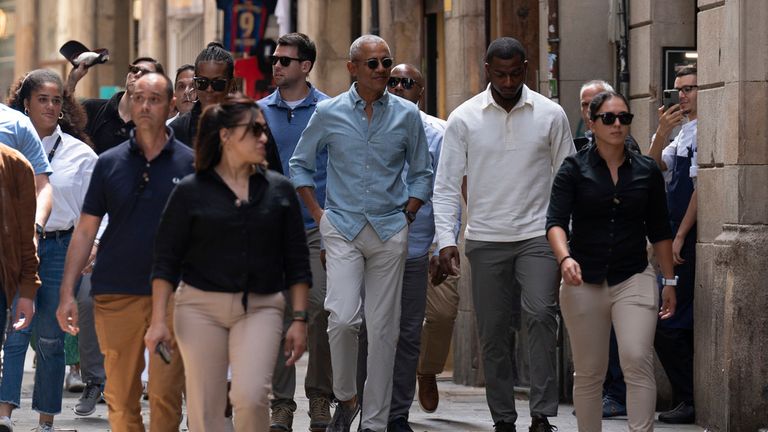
[
  {"x": 121, "y": 322},
  {"x": 213, "y": 331},
  {"x": 442, "y": 307},
  {"x": 589, "y": 310}
]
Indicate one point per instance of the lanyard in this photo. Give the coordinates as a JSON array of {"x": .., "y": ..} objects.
[{"x": 53, "y": 150}]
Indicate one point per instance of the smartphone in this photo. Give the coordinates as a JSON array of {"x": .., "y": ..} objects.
[
  {"x": 162, "y": 350},
  {"x": 670, "y": 97}
]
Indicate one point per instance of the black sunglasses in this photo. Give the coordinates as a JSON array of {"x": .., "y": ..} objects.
[
  {"x": 284, "y": 60},
  {"x": 255, "y": 127},
  {"x": 407, "y": 83},
  {"x": 373, "y": 63},
  {"x": 609, "y": 118},
  {"x": 202, "y": 84}
]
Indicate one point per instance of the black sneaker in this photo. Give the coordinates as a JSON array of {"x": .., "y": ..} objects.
[
  {"x": 399, "y": 424},
  {"x": 86, "y": 405},
  {"x": 343, "y": 417},
  {"x": 504, "y": 427},
  {"x": 684, "y": 413},
  {"x": 540, "y": 424}
]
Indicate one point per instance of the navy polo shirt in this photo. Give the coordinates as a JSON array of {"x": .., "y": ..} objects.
[{"x": 133, "y": 192}]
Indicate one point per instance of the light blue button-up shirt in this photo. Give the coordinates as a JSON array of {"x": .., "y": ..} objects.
[
  {"x": 286, "y": 125},
  {"x": 16, "y": 131},
  {"x": 365, "y": 161}
]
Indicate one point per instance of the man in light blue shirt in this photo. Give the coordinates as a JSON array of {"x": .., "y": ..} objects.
[
  {"x": 287, "y": 112},
  {"x": 17, "y": 132},
  {"x": 370, "y": 136}
]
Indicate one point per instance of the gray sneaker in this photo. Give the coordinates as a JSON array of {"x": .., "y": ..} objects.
[
  {"x": 45, "y": 427},
  {"x": 86, "y": 405},
  {"x": 6, "y": 425}
]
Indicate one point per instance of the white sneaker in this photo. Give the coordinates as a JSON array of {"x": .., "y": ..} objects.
[
  {"x": 44, "y": 427},
  {"x": 6, "y": 425},
  {"x": 73, "y": 382}
]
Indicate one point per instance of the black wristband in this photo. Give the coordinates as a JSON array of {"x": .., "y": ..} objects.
[{"x": 563, "y": 260}]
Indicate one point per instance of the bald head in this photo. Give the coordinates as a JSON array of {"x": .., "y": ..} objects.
[{"x": 407, "y": 82}]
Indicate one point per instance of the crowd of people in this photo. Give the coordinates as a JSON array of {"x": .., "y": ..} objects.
[{"x": 225, "y": 237}]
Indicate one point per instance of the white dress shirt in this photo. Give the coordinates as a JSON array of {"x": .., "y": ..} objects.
[
  {"x": 72, "y": 165},
  {"x": 510, "y": 159}
]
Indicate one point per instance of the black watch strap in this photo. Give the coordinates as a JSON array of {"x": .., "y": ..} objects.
[{"x": 300, "y": 316}]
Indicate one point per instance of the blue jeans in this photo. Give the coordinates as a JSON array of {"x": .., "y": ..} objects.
[{"x": 49, "y": 373}]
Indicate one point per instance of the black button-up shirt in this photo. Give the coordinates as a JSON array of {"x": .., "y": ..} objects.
[
  {"x": 610, "y": 222},
  {"x": 214, "y": 242}
]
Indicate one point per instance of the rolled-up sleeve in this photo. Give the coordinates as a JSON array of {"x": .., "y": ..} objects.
[
  {"x": 171, "y": 241},
  {"x": 657, "y": 217},
  {"x": 563, "y": 196},
  {"x": 303, "y": 163},
  {"x": 420, "y": 174}
]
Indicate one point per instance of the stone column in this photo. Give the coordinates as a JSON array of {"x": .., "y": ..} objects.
[
  {"x": 653, "y": 25},
  {"x": 731, "y": 361},
  {"x": 402, "y": 26},
  {"x": 153, "y": 31},
  {"x": 25, "y": 44},
  {"x": 464, "y": 78},
  {"x": 328, "y": 23}
]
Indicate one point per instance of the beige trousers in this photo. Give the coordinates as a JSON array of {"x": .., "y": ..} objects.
[
  {"x": 442, "y": 307},
  {"x": 589, "y": 310},
  {"x": 213, "y": 331}
]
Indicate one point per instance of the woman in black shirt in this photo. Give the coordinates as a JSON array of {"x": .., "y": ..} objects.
[
  {"x": 614, "y": 199},
  {"x": 232, "y": 232}
]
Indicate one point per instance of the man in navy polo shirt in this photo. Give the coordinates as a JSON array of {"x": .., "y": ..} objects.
[
  {"x": 131, "y": 183},
  {"x": 287, "y": 112}
]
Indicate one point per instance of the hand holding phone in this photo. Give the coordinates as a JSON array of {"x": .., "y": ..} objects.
[
  {"x": 162, "y": 350},
  {"x": 670, "y": 97}
]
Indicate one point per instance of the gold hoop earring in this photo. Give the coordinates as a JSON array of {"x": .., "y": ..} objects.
[{"x": 61, "y": 115}]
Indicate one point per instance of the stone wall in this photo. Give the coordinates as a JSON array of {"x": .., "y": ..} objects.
[{"x": 731, "y": 370}]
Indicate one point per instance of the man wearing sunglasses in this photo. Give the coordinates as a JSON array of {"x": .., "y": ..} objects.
[
  {"x": 287, "y": 111},
  {"x": 370, "y": 135},
  {"x": 109, "y": 120},
  {"x": 518, "y": 140},
  {"x": 677, "y": 160}
]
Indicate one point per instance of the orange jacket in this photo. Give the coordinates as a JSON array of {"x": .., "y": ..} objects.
[{"x": 18, "y": 259}]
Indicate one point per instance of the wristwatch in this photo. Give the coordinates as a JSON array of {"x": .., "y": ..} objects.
[
  {"x": 409, "y": 215},
  {"x": 300, "y": 316},
  {"x": 670, "y": 282}
]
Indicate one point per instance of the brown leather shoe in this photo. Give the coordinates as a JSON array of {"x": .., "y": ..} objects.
[{"x": 428, "y": 395}]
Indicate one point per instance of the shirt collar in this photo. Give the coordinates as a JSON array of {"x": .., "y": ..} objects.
[
  {"x": 276, "y": 99},
  {"x": 50, "y": 140},
  {"x": 525, "y": 99},
  {"x": 593, "y": 157},
  {"x": 168, "y": 147},
  {"x": 355, "y": 96}
]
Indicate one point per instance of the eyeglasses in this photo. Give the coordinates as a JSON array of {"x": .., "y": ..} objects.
[
  {"x": 373, "y": 63},
  {"x": 609, "y": 118},
  {"x": 687, "y": 89},
  {"x": 136, "y": 70},
  {"x": 255, "y": 128},
  {"x": 202, "y": 84},
  {"x": 407, "y": 83},
  {"x": 285, "y": 61}
]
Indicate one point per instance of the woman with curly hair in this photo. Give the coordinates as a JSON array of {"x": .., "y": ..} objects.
[{"x": 59, "y": 122}]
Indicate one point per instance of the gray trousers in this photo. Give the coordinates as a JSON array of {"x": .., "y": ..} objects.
[
  {"x": 413, "y": 305},
  {"x": 504, "y": 276},
  {"x": 318, "y": 382},
  {"x": 91, "y": 358},
  {"x": 369, "y": 267}
]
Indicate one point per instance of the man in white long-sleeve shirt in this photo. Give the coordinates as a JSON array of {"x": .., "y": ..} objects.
[{"x": 509, "y": 141}]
